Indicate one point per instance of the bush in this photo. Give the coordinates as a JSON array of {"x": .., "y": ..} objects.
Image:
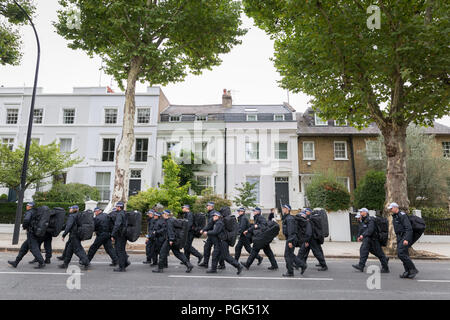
[
  {"x": 4, "y": 197},
  {"x": 434, "y": 213},
  {"x": 371, "y": 192},
  {"x": 209, "y": 196},
  {"x": 325, "y": 192},
  {"x": 70, "y": 193}
]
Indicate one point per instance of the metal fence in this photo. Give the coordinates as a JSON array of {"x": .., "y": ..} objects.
[{"x": 437, "y": 227}]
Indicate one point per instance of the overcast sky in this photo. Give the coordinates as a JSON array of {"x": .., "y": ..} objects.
[{"x": 247, "y": 70}]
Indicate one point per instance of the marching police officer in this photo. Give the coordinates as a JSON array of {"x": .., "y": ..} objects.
[
  {"x": 404, "y": 233},
  {"x": 32, "y": 242},
  {"x": 118, "y": 234},
  {"x": 159, "y": 234},
  {"x": 75, "y": 242},
  {"x": 103, "y": 236},
  {"x": 311, "y": 244},
  {"x": 188, "y": 249},
  {"x": 290, "y": 231},
  {"x": 169, "y": 244},
  {"x": 149, "y": 244},
  {"x": 244, "y": 240},
  {"x": 208, "y": 244},
  {"x": 368, "y": 235},
  {"x": 221, "y": 248},
  {"x": 260, "y": 223}
]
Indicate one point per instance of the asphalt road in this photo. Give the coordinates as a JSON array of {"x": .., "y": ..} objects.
[{"x": 100, "y": 282}]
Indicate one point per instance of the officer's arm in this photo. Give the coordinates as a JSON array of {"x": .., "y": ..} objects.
[
  {"x": 26, "y": 220},
  {"x": 308, "y": 231},
  {"x": 370, "y": 229},
  {"x": 69, "y": 225},
  {"x": 117, "y": 224},
  {"x": 215, "y": 232},
  {"x": 407, "y": 226},
  {"x": 190, "y": 219},
  {"x": 292, "y": 231},
  {"x": 170, "y": 231}
]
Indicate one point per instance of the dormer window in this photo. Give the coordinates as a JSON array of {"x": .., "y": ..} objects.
[
  {"x": 278, "y": 117},
  {"x": 252, "y": 117},
  {"x": 338, "y": 123},
  {"x": 201, "y": 118},
  {"x": 319, "y": 121},
  {"x": 174, "y": 118}
]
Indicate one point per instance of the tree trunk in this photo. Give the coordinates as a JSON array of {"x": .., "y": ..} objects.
[
  {"x": 396, "y": 176},
  {"x": 125, "y": 146}
]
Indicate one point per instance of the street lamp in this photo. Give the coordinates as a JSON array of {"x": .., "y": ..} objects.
[{"x": 27, "y": 144}]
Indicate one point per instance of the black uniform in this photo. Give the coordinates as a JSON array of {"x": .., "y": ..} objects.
[
  {"x": 314, "y": 245},
  {"x": 150, "y": 245},
  {"x": 370, "y": 243},
  {"x": 118, "y": 233},
  {"x": 188, "y": 249},
  {"x": 166, "y": 247},
  {"x": 159, "y": 234},
  {"x": 290, "y": 231},
  {"x": 403, "y": 230},
  {"x": 208, "y": 244},
  {"x": 261, "y": 222},
  {"x": 103, "y": 238},
  {"x": 75, "y": 242},
  {"x": 221, "y": 248},
  {"x": 244, "y": 240}
]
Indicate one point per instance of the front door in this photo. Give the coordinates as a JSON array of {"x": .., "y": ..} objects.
[
  {"x": 281, "y": 192},
  {"x": 135, "y": 183}
]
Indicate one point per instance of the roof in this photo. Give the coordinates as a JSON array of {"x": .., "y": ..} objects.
[
  {"x": 219, "y": 109},
  {"x": 306, "y": 127}
]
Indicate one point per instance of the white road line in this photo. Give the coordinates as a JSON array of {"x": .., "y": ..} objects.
[
  {"x": 44, "y": 273},
  {"x": 251, "y": 278},
  {"x": 437, "y": 281}
]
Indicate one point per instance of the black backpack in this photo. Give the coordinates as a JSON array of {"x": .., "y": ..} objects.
[
  {"x": 301, "y": 229},
  {"x": 86, "y": 225},
  {"x": 134, "y": 225},
  {"x": 199, "y": 223},
  {"x": 56, "y": 222},
  {"x": 181, "y": 232},
  {"x": 324, "y": 219},
  {"x": 383, "y": 230},
  {"x": 316, "y": 224},
  {"x": 231, "y": 229},
  {"x": 225, "y": 211},
  {"x": 266, "y": 235},
  {"x": 418, "y": 225},
  {"x": 41, "y": 221}
]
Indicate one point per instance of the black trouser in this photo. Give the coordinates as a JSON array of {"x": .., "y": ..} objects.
[
  {"x": 165, "y": 250},
  {"x": 63, "y": 255},
  {"x": 207, "y": 250},
  {"x": 31, "y": 244},
  {"x": 149, "y": 249},
  {"x": 267, "y": 250},
  {"x": 316, "y": 248},
  {"x": 120, "y": 247},
  {"x": 217, "y": 252},
  {"x": 76, "y": 248},
  {"x": 291, "y": 259},
  {"x": 157, "y": 251},
  {"x": 372, "y": 246},
  {"x": 188, "y": 249},
  {"x": 403, "y": 255},
  {"x": 103, "y": 239},
  {"x": 243, "y": 242},
  {"x": 225, "y": 255},
  {"x": 47, "y": 240}
]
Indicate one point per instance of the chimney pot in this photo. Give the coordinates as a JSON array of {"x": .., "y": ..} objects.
[{"x": 227, "y": 101}]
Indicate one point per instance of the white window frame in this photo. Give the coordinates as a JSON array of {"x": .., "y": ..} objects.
[
  {"x": 204, "y": 150},
  {"x": 12, "y": 107},
  {"x": 135, "y": 150},
  {"x": 173, "y": 142},
  {"x": 324, "y": 123},
  {"x": 201, "y": 118},
  {"x": 313, "y": 150},
  {"x": 149, "y": 115},
  {"x": 208, "y": 178},
  {"x": 102, "y": 139},
  {"x": 175, "y": 118},
  {"x": 104, "y": 115},
  {"x": 252, "y": 115},
  {"x": 276, "y": 155},
  {"x": 42, "y": 117},
  {"x": 102, "y": 188},
  {"x": 446, "y": 149},
  {"x": 336, "y": 124},
  {"x": 346, "y": 151},
  {"x": 247, "y": 158},
  {"x": 74, "y": 116},
  {"x": 279, "y": 115},
  {"x": 258, "y": 194},
  {"x": 370, "y": 154},
  {"x": 71, "y": 144},
  {"x": 8, "y": 143},
  {"x": 347, "y": 183}
]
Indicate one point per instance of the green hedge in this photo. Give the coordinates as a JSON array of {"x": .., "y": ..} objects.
[
  {"x": 8, "y": 210},
  {"x": 324, "y": 192}
]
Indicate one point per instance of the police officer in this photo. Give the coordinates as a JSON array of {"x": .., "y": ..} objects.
[
  {"x": 404, "y": 233},
  {"x": 103, "y": 236},
  {"x": 311, "y": 244},
  {"x": 118, "y": 234},
  {"x": 169, "y": 244},
  {"x": 47, "y": 241},
  {"x": 188, "y": 249},
  {"x": 290, "y": 231},
  {"x": 32, "y": 242},
  {"x": 260, "y": 223},
  {"x": 244, "y": 240},
  {"x": 208, "y": 244},
  {"x": 75, "y": 242},
  {"x": 149, "y": 244},
  {"x": 368, "y": 235},
  {"x": 218, "y": 238}
]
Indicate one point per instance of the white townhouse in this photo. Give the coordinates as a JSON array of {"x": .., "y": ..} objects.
[
  {"x": 88, "y": 120},
  {"x": 240, "y": 143}
]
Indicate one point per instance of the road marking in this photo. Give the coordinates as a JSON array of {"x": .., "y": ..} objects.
[
  {"x": 437, "y": 281},
  {"x": 251, "y": 278},
  {"x": 44, "y": 273}
]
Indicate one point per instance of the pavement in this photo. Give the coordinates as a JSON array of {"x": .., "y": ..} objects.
[
  {"x": 428, "y": 251},
  {"x": 340, "y": 282}
]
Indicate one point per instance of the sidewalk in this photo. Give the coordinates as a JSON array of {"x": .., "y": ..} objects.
[{"x": 433, "y": 251}]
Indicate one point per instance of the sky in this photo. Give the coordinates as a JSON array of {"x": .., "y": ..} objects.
[{"x": 247, "y": 70}]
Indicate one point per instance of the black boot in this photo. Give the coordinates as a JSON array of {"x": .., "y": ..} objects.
[
  {"x": 358, "y": 267},
  {"x": 288, "y": 274},
  {"x": 203, "y": 265},
  {"x": 158, "y": 270},
  {"x": 40, "y": 266},
  {"x": 63, "y": 266},
  {"x": 119, "y": 270},
  {"x": 189, "y": 267},
  {"x": 272, "y": 268},
  {"x": 404, "y": 275},
  {"x": 13, "y": 263},
  {"x": 211, "y": 271},
  {"x": 200, "y": 258},
  {"x": 146, "y": 262},
  {"x": 60, "y": 258},
  {"x": 48, "y": 261},
  {"x": 324, "y": 268},
  {"x": 33, "y": 261},
  {"x": 413, "y": 273},
  {"x": 113, "y": 264},
  {"x": 305, "y": 266},
  {"x": 385, "y": 270},
  {"x": 222, "y": 267},
  {"x": 239, "y": 268}
]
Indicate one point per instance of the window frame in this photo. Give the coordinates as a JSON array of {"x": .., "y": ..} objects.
[
  {"x": 109, "y": 151},
  {"x": 42, "y": 116},
  {"x": 149, "y": 115},
  {"x": 370, "y": 153},
  {"x": 142, "y": 151},
  {"x": 446, "y": 149},
  {"x": 7, "y": 116},
  {"x": 251, "y": 115},
  {"x": 104, "y": 115},
  {"x": 276, "y": 154},
  {"x": 313, "y": 150},
  {"x": 64, "y": 115},
  {"x": 316, "y": 123},
  {"x": 247, "y": 152},
  {"x": 8, "y": 144},
  {"x": 334, "y": 150},
  {"x": 278, "y": 115},
  {"x": 171, "y": 118},
  {"x": 99, "y": 187},
  {"x": 347, "y": 184}
]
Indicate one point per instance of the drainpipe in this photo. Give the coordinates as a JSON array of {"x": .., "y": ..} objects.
[{"x": 352, "y": 155}]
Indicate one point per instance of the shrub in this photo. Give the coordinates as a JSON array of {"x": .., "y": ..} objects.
[
  {"x": 4, "y": 197},
  {"x": 71, "y": 193},
  {"x": 209, "y": 196},
  {"x": 371, "y": 192},
  {"x": 325, "y": 192},
  {"x": 434, "y": 213}
]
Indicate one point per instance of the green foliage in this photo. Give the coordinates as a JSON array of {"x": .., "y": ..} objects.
[
  {"x": 434, "y": 213},
  {"x": 371, "y": 192},
  {"x": 10, "y": 42},
  {"x": 169, "y": 37},
  {"x": 209, "y": 196},
  {"x": 170, "y": 194},
  {"x": 246, "y": 197},
  {"x": 325, "y": 192},
  {"x": 72, "y": 192},
  {"x": 45, "y": 161},
  {"x": 4, "y": 197}
]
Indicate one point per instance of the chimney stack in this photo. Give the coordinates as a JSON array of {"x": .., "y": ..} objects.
[{"x": 227, "y": 101}]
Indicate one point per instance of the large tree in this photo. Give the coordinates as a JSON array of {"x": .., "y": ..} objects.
[
  {"x": 10, "y": 42},
  {"x": 393, "y": 76},
  {"x": 149, "y": 40}
]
